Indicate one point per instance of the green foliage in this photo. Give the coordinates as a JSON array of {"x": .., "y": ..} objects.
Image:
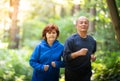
[
  {"x": 107, "y": 67},
  {"x": 106, "y": 39},
  {"x": 105, "y": 34},
  {"x": 14, "y": 65},
  {"x": 66, "y": 26},
  {"x": 32, "y": 31},
  {"x": 118, "y": 6},
  {"x": 62, "y": 70}
]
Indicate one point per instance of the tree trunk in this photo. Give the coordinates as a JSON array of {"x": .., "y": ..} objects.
[
  {"x": 115, "y": 17},
  {"x": 14, "y": 30},
  {"x": 92, "y": 22},
  {"x": 75, "y": 9}
]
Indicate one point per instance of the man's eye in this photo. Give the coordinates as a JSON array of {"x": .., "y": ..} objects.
[
  {"x": 86, "y": 22},
  {"x": 80, "y": 22}
]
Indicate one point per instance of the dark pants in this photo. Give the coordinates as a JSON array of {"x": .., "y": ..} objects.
[{"x": 77, "y": 75}]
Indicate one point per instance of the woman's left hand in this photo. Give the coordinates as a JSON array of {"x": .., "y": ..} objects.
[{"x": 53, "y": 64}]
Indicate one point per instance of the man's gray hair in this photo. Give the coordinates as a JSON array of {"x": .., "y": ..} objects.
[{"x": 81, "y": 17}]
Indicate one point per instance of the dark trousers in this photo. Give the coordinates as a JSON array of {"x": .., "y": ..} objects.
[{"x": 77, "y": 75}]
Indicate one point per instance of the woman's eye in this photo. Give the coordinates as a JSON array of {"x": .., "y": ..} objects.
[
  {"x": 49, "y": 32},
  {"x": 53, "y": 32}
]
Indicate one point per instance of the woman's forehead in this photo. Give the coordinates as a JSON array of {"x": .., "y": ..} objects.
[{"x": 52, "y": 30}]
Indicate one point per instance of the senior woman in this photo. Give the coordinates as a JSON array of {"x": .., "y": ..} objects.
[{"x": 46, "y": 57}]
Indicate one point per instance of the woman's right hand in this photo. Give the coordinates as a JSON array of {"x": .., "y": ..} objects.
[{"x": 46, "y": 67}]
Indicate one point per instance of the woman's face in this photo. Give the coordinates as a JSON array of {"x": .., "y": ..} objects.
[{"x": 51, "y": 35}]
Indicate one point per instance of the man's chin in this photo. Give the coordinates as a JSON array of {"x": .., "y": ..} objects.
[{"x": 84, "y": 30}]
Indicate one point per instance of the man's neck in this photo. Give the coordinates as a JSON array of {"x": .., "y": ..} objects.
[{"x": 83, "y": 34}]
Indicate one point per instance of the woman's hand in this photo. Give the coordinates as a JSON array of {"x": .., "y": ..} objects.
[
  {"x": 46, "y": 67},
  {"x": 53, "y": 64}
]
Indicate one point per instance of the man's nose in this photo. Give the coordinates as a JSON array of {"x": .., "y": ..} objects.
[{"x": 83, "y": 24}]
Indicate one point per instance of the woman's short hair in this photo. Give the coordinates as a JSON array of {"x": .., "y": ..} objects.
[{"x": 49, "y": 28}]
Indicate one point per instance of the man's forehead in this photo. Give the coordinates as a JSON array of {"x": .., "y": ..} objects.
[{"x": 83, "y": 18}]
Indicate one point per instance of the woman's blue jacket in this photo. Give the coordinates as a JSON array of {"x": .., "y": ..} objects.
[{"x": 44, "y": 54}]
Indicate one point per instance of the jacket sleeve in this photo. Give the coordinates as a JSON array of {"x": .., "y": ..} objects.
[
  {"x": 95, "y": 47},
  {"x": 67, "y": 50},
  {"x": 60, "y": 64},
  {"x": 34, "y": 59}
]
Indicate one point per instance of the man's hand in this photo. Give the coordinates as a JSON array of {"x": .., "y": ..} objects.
[
  {"x": 46, "y": 67},
  {"x": 81, "y": 52},
  {"x": 93, "y": 58}
]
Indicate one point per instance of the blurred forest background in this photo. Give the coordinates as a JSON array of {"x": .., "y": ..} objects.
[{"x": 21, "y": 23}]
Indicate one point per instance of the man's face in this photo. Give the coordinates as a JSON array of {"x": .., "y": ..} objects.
[{"x": 82, "y": 24}]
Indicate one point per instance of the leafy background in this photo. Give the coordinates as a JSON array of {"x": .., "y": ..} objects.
[{"x": 35, "y": 14}]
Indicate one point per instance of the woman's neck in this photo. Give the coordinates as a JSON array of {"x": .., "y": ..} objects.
[{"x": 50, "y": 43}]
